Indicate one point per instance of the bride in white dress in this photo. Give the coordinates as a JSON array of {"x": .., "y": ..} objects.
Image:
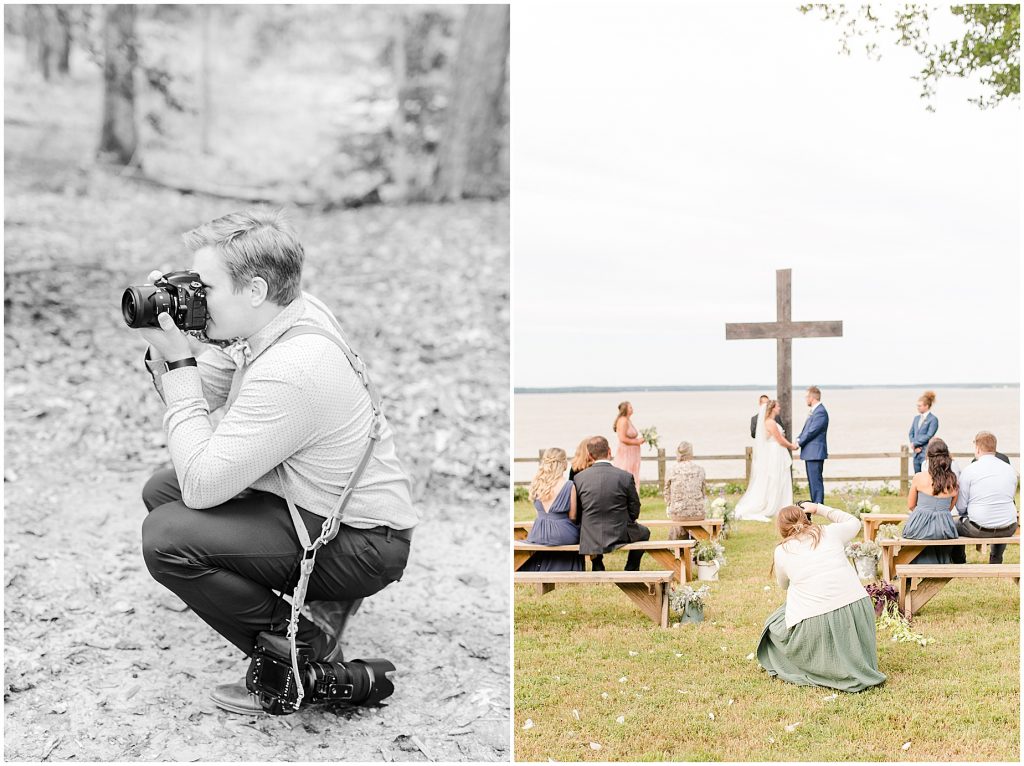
[{"x": 771, "y": 483}]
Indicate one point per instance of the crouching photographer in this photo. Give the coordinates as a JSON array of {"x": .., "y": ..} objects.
[{"x": 297, "y": 490}]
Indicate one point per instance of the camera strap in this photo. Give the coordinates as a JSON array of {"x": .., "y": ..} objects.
[{"x": 331, "y": 525}]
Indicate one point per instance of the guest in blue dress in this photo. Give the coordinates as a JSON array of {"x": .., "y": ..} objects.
[
  {"x": 554, "y": 498},
  {"x": 931, "y": 501}
]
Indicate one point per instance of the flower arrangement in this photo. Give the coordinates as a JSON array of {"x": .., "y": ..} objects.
[
  {"x": 864, "y": 550},
  {"x": 866, "y": 506},
  {"x": 709, "y": 550},
  {"x": 888, "y": 532},
  {"x": 683, "y": 596},
  {"x": 720, "y": 508},
  {"x": 892, "y": 620},
  {"x": 888, "y": 489},
  {"x": 650, "y": 436},
  {"x": 882, "y": 594}
]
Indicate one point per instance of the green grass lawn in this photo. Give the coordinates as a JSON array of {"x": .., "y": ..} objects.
[{"x": 585, "y": 657}]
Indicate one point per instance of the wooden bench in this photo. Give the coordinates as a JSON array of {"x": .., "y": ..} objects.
[
  {"x": 648, "y": 590},
  {"x": 676, "y": 555},
  {"x": 872, "y": 521},
  {"x": 918, "y": 583},
  {"x": 702, "y": 529},
  {"x": 904, "y": 550}
]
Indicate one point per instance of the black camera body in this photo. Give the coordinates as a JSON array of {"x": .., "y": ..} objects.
[
  {"x": 272, "y": 679},
  {"x": 178, "y": 293}
]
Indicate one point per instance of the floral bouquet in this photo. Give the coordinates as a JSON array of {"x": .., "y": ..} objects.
[
  {"x": 891, "y": 619},
  {"x": 709, "y": 550},
  {"x": 864, "y": 550},
  {"x": 882, "y": 594},
  {"x": 684, "y": 596},
  {"x": 650, "y": 436},
  {"x": 888, "y": 532},
  {"x": 720, "y": 508},
  {"x": 866, "y": 506}
]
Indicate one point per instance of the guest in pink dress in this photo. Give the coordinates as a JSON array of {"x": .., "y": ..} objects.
[{"x": 627, "y": 456}]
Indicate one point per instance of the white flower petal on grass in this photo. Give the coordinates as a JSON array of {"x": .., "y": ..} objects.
[
  {"x": 830, "y": 697},
  {"x": 905, "y": 746},
  {"x": 767, "y": 587},
  {"x": 623, "y": 679},
  {"x": 722, "y": 648},
  {"x": 620, "y": 719},
  {"x": 595, "y": 745},
  {"x": 682, "y": 691},
  {"x": 632, "y": 653},
  {"x": 528, "y": 724},
  {"x": 771, "y": 740},
  {"x": 604, "y": 695},
  {"x": 730, "y": 702},
  {"x": 791, "y": 727},
  {"x": 678, "y": 654},
  {"x": 711, "y": 716},
  {"x": 750, "y": 656},
  {"x": 576, "y": 714}
]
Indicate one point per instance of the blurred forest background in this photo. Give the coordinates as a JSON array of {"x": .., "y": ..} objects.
[
  {"x": 383, "y": 131},
  {"x": 324, "y": 105}
]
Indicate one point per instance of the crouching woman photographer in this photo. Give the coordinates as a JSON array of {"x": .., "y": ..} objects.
[
  {"x": 824, "y": 635},
  {"x": 302, "y": 440}
]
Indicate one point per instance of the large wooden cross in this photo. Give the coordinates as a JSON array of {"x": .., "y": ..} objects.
[{"x": 783, "y": 330}]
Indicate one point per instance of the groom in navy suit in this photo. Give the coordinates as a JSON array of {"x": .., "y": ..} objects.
[{"x": 813, "y": 448}]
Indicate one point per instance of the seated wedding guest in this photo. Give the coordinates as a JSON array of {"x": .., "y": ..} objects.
[
  {"x": 685, "y": 491},
  {"x": 923, "y": 428},
  {"x": 609, "y": 507},
  {"x": 931, "y": 501},
  {"x": 581, "y": 461},
  {"x": 554, "y": 498},
  {"x": 985, "y": 503},
  {"x": 824, "y": 635},
  {"x": 627, "y": 456}
]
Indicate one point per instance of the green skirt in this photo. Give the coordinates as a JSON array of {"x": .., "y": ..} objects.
[{"x": 836, "y": 649}]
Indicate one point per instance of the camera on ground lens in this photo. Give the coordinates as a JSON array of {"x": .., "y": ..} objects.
[
  {"x": 272, "y": 679},
  {"x": 178, "y": 293}
]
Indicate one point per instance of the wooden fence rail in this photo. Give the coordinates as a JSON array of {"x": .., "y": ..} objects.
[{"x": 903, "y": 477}]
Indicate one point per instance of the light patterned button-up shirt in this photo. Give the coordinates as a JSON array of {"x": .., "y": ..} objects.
[{"x": 297, "y": 428}]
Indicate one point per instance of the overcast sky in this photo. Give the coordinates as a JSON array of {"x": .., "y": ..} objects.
[{"x": 667, "y": 160}]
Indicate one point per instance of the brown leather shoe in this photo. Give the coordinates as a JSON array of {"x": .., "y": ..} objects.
[{"x": 236, "y": 699}]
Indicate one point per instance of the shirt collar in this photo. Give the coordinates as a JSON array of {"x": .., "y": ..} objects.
[
  {"x": 609, "y": 462},
  {"x": 248, "y": 349}
]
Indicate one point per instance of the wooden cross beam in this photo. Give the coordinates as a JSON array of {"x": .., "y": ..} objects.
[{"x": 783, "y": 330}]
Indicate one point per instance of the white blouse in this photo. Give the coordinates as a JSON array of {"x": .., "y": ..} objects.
[{"x": 820, "y": 579}]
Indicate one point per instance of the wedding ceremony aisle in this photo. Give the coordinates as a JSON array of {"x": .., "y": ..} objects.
[{"x": 595, "y": 680}]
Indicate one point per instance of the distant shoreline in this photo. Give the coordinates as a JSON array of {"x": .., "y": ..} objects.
[{"x": 763, "y": 387}]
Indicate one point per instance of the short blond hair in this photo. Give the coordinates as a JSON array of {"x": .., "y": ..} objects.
[
  {"x": 985, "y": 441},
  {"x": 815, "y": 392},
  {"x": 255, "y": 243}
]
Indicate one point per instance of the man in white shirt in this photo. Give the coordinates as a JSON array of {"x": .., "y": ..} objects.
[
  {"x": 299, "y": 417},
  {"x": 985, "y": 500}
]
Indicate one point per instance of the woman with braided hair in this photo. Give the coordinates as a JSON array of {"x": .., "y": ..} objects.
[
  {"x": 554, "y": 498},
  {"x": 824, "y": 635}
]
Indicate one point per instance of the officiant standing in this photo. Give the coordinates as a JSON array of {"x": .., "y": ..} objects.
[{"x": 923, "y": 428}]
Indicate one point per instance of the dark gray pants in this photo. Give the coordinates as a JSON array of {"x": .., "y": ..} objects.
[
  {"x": 968, "y": 528},
  {"x": 636, "y": 533},
  {"x": 224, "y": 562}
]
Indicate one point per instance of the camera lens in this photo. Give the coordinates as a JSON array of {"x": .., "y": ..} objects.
[
  {"x": 141, "y": 304},
  {"x": 129, "y": 307}
]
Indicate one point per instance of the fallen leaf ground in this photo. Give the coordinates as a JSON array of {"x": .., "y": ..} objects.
[{"x": 101, "y": 663}]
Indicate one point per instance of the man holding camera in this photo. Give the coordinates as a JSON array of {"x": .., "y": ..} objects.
[{"x": 296, "y": 432}]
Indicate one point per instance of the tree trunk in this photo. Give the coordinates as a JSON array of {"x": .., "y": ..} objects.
[
  {"x": 204, "y": 79},
  {"x": 473, "y": 158},
  {"x": 39, "y": 35},
  {"x": 64, "y": 50},
  {"x": 118, "y": 137}
]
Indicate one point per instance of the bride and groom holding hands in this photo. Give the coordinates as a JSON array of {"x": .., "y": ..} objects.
[{"x": 771, "y": 479}]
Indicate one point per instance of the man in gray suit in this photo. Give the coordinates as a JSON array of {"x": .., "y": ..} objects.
[{"x": 609, "y": 507}]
